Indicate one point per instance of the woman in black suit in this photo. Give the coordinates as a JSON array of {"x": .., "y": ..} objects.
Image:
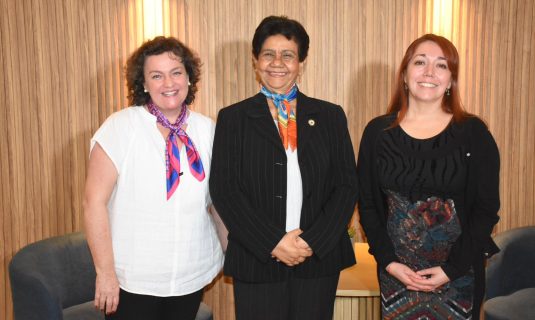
[{"x": 284, "y": 182}]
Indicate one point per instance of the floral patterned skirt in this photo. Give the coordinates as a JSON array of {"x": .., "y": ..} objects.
[{"x": 423, "y": 233}]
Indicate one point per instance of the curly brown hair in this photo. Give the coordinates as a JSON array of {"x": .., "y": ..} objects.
[{"x": 135, "y": 64}]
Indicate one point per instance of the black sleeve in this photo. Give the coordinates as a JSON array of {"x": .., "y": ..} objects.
[
  {"x": 244, "y": 223},
  {"x": 484, "y": 196},
  {"x": 371, "y": 215},
  {"x": 325, "y": 233}
]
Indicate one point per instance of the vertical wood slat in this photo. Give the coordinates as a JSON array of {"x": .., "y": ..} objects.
[
  {"x": 52, "y": 92},
  {"x": 6, "y": 245},
  {"x": 62, "y": 74},
  {"x": 357, "y": 308}
]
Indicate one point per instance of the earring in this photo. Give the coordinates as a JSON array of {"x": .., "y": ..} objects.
[
  {"x": 145, "y": 90},
  {"x": 448, "y": 91},
  {"x": 189, "y": 83},
  {"x": 406, "y": 86}
]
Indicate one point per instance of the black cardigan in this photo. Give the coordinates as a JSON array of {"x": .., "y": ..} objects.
[
  {"x": 481, "y": 198},
  {"x": 248, "y": 188}
]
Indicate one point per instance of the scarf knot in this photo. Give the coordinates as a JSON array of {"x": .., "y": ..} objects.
[
  {"x": 286, "y": 118},
  {"x": 172, "y": 156}
]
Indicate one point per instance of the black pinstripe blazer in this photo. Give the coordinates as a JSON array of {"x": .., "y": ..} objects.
[{"x": 248, "y": 188}]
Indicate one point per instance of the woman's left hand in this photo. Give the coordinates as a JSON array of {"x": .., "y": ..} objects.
[{"x": 433, "y": 278}]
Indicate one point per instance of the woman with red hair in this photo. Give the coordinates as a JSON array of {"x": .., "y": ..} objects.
[{"x": 429, "y": 177}]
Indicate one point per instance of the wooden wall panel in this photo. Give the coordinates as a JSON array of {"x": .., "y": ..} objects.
[
  {"x": 61, "y": 75},
  {"x": 350, "y": 308}
]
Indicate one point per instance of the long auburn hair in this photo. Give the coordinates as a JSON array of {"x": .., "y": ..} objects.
[{"x": 451, "y": 103}]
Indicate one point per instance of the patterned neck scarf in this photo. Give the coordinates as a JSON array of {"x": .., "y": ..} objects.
[
  {"x": 287, "y": 122},
  {"x": 173, "y": 152}
]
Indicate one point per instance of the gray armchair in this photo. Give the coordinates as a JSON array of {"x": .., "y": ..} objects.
[
  {"x": 510, "y": 292},
  {"x": 54, "y": 279}
]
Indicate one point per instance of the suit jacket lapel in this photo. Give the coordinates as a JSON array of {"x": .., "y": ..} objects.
[
  {"x": 262, "y": 120},
  {"x": 307, "y": 120}
]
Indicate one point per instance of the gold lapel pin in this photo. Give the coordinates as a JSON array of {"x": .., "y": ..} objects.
[{"x": 311, "y": 122}]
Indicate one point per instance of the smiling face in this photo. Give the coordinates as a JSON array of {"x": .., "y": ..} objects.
[
  {"x": 278, "y": 64},
  {"x": 427, "y": 75},
  {"x": 166, "y": 80}
]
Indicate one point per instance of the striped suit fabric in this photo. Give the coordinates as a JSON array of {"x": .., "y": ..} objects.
[{"x": 248, "y": 188}]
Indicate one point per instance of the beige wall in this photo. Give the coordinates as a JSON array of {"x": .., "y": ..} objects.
[{"x": 61, "y": 75}]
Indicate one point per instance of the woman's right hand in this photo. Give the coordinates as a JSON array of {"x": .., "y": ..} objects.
[
  {"x": 107, "y": 292},
  {"x": 289, "y": 252},
  {"x": 101, "y": 179},
  {"x": 407, "y": 276}
]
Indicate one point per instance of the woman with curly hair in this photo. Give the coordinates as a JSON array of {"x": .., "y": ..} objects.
[{"x": 153, "y": 241}]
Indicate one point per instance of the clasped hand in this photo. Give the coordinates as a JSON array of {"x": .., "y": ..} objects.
[
  {"x": 292, "y": 249},
  {"x": 427, "y": 280}
]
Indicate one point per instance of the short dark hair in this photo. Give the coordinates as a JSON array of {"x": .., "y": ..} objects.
[
  {"x": 291, "y": 29},
  {"x": 136, "y": 62}
]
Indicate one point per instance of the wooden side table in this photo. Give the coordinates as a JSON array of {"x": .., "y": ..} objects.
[{"x": 357, "y": 296}]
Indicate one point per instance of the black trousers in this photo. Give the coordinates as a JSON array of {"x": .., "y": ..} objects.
[
  {"x": 142, "y": 307},
  {"x": 293, "y": 299}
]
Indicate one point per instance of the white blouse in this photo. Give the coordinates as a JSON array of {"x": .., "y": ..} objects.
[
  {"x": 161, "y": 248},
  {"x": 294, "y": 189}
]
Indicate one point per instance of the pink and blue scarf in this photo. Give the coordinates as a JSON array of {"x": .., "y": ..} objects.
[{"x": 176, "y": 133}]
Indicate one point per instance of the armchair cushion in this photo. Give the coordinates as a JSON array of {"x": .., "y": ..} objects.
[
  {"x": 54, "y": 279},
  {"x": 518, "y": 305},
  {"x": 510, "y": 280},
  {"x": 83, "y": 311},
  {"x": 50, "y": 275}
]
